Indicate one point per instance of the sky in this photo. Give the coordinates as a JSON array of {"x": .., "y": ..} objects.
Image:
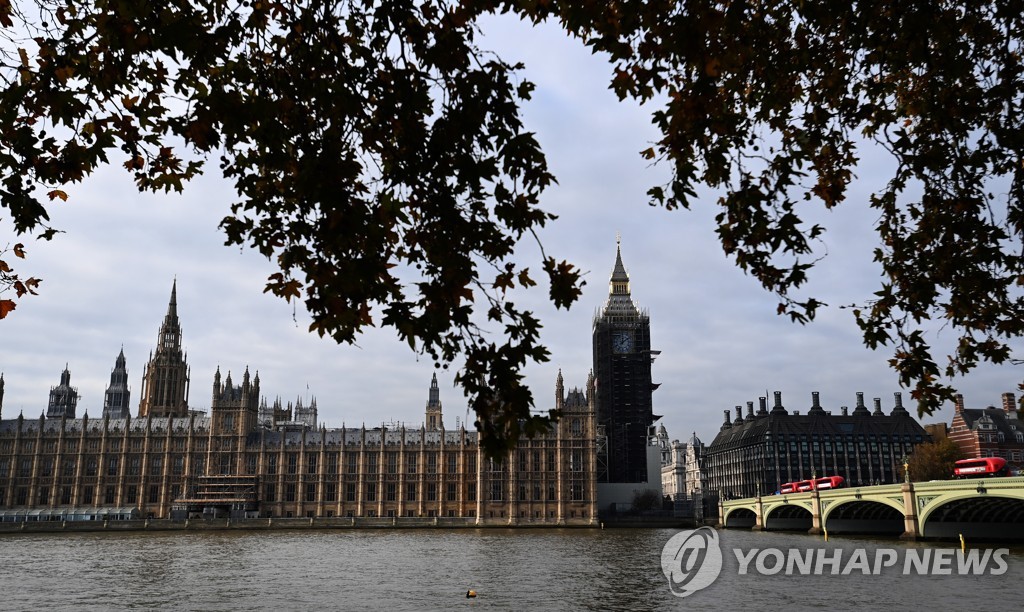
[{"x": 107, "y": 282}]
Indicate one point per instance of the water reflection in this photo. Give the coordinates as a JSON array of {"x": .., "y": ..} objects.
[{"x": 613, "y": 569}]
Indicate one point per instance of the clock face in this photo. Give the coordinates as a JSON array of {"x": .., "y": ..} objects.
[{"x": 622, "y": 342}]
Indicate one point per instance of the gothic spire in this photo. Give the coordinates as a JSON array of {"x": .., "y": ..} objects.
[
  {"x": 117, "y": 396},
  {"x": 172, "y": 307},
  {"x": 619, "y": 271},
  {"x": 619, "y": 300},
  {"x": 170, "y": 330}
]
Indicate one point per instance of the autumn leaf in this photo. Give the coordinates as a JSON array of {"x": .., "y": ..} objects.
[
  {"x": 57, "y": 193},
  {"x": 6, "y": 306}
]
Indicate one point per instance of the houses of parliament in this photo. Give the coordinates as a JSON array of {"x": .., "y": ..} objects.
[{"x": 247, "y": 459}]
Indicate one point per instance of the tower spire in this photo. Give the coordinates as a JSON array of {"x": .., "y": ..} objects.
[
  {"x": 433, "y": 413},
  {"x": 166, "y": 376},
  {"x": 619, "y": 303},
  {"x": 117, "y": 396}
]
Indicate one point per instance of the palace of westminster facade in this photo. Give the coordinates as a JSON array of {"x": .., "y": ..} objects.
[{"x": 247, "y": 459}]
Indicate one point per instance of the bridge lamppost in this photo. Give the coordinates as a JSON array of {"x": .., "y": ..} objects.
[{"x": 906, "y": 468}]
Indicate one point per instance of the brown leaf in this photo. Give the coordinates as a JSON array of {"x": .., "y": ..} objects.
[{"x": 6, "y": 306}]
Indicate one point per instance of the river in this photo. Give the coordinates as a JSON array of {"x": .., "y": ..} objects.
[{"x": 520, "y": 569}]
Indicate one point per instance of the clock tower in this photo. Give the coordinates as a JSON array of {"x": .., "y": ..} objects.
[{"x": 622, "y": 364}]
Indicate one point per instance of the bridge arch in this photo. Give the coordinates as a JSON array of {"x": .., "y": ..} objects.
[
  {"x": 880, "y": 516},
  {"x": 998, "y": 516},
  {"x": 788, "y": 517},
  {"x": 740, "y": 518}
]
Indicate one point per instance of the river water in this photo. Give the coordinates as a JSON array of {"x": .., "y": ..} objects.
[{"x": 521, "y": 569}]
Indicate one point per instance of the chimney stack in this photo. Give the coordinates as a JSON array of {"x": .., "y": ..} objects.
[
  {"x": 899, "y": 409},
  {"x": 778, "y": 409},
  {"x": 739, "y": 416},
  {"x": 816, "y": 408},
  {"x": 763, "y": 411},
  {"x": 959, "y": 402},
  {"x": 1010, "y": 405},
  {"x": 878, "y": 407},
  {"x": 860, "y": 409},
  {"x": 750, "y": 411}
]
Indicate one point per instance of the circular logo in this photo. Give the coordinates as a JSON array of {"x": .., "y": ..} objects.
[{"x": 691, "y": 560}]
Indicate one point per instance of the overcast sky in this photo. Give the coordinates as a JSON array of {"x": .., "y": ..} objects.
[{"x": 108, "y": 279}]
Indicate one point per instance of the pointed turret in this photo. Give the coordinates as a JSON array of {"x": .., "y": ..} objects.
[
  {"x": 63, "y": 398},
  {"x": 116, "y": 399},
  {"x": 216, "y": 385},
  {"x": 559, "y": 389},
  {"x": 434, "y": 419}
]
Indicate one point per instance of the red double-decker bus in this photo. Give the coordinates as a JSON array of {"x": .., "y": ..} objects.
[
  {"x": 800, "y": 486},
  {"x": 986, "y": 467}
]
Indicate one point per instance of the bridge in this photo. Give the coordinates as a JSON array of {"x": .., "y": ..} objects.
[{"x": 991, "y": 508}]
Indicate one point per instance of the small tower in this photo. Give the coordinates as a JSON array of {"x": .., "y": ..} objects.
[
  {"x": 306, "y": 414},
  {"x": 63, "y": 398},
  {"x": 117, "y": 397},
  {"x": 434, "y": 419},
  {"x": 235, "y": 409}
]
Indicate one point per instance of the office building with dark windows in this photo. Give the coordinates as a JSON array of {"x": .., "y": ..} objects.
[{"x": 757, "y": 452}]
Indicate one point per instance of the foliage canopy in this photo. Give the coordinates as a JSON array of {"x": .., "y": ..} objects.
[
  {"x": 932, "y": 461},
  {"x": 366, "y": 139}
]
